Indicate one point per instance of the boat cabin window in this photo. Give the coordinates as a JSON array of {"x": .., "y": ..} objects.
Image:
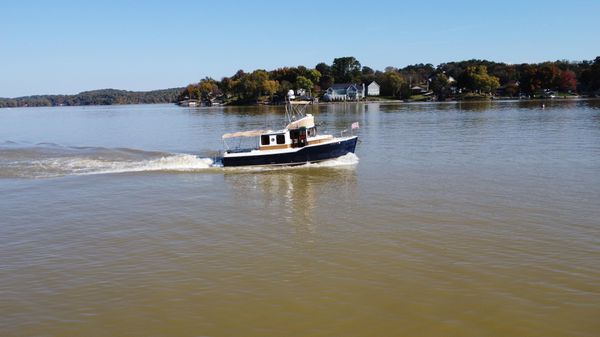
[{"x": 272, "y": 139}]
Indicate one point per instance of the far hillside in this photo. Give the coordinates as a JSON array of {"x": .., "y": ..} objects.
[{"x": 95, "y": 97}]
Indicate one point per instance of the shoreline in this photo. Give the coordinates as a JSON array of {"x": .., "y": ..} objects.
[{"x": 386, "y": 101}]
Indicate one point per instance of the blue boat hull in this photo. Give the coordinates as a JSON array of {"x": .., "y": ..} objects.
[{"x": 309, "y": 154}]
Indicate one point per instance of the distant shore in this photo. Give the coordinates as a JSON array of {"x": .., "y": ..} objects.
[
  {"x": 384, "y": 101},
  {"x": 95, "y": 97}
]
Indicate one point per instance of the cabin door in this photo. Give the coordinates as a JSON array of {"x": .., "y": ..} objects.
[
  {"x": 302, "y": 137},
  {"x": 298, "y": 137}
]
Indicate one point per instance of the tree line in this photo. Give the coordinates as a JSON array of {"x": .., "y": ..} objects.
[
  {"x": 457, "y": 79},
  {"x": 95, "y": 97},
  {"x": 447, "y": 80}
]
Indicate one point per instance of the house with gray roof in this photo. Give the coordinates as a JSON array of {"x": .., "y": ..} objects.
[{"x": 345, "y": 92}]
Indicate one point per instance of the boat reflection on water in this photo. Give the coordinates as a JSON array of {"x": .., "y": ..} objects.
[{"x": 299, "y": 196}]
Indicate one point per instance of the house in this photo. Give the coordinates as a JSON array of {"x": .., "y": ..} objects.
[
  {"x": 345, "y": 92},
  {"x": 417, "y": 90},
  {"x": 451, "y": 82},
  {"x": 373, "y": 89},
  {"x": 510, "y": 89}
]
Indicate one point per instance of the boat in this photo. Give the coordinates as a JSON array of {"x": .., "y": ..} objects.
[{"x": 297, "y": 143}]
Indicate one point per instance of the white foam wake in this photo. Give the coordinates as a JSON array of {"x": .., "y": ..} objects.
[
  {"x": 345, "y": 160},
  {"x": 86, "y": 166}
]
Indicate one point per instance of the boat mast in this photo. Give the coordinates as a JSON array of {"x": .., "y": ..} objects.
[{"x": 294, "y": 109}]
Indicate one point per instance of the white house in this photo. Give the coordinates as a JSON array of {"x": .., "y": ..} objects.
[
  {"x": 373, "y": 89},
  {"x": 345, "y": 92}
]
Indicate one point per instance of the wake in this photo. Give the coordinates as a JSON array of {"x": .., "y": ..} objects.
[{"x": 51, "y": 160}]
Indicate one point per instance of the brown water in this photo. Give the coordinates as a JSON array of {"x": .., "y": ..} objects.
[{"x": 451, "y": 220}]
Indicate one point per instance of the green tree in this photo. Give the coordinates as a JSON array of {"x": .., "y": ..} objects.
[
  {"x": 251, "y": 86},
  {"x": 284, "y": 87},
  {"x": 326, "y": 82},
  {"x": 367, "y": 71},
  {"x": 226, "y": 86},
  {"x": 440, "y": 86},
  {"x": 511, "y": 89},
  {"x": 391, "y": 83},
  {"x": 590, "y": 78},
  {"x": 529, "y": 84},
  {"x": 479, "y": 80},
  {"x": 346, "y": 69},
  {"x": 270, "y": 87},
  {"x": 304, "y": 83},
  {"x": 323, "y": 68},
  {"x": 313, "y": 75},
  {"x": 417, "y": 73}
]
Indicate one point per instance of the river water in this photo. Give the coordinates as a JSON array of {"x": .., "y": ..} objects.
[{"x": 478, "y": 219}]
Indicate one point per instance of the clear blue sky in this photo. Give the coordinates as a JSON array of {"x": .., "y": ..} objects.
[{"x": 64, "y": 47}]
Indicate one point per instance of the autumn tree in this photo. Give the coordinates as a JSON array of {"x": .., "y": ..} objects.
[
  {"x": 270, "y": 87},
  {"x": 568, "y": 81},
  {"x": 529, "y": 83},
  {"x": 479, "y": 80},
  {"x": 548, "y": 76},
  {"x": 208, "y": 88},
  {"x": 190, "y": 92}
]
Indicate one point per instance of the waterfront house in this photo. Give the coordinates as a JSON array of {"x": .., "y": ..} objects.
[
  {"x": 190, "y": 102},
  {"x": 417, "y": 90},
  {"x": 345, "y": 92},
  {"x": 373, "y": 89}
]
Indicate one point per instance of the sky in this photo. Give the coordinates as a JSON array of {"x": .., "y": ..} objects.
[{"x": 65, "y": 47}]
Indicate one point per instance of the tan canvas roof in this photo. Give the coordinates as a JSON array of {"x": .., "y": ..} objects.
[
  {"x": 251, "y": 133},
  {"x": 307, "y": 121}
]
